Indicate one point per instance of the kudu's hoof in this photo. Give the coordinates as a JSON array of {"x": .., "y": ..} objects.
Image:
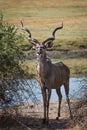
[
  {"x": 57, "y": 118},
  {"x": 71, "y": 117},
  {"x": 45, "y": 122}
]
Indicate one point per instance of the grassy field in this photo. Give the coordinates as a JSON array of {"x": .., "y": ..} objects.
[
  {"x": 41, "y": 17},
  {"x": 77, "y": 66}
]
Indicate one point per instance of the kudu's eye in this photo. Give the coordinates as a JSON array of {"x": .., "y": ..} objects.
[{"x": 41, "y": 47}]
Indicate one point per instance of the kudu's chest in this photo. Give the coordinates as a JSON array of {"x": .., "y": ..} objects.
[
  {"x": 43, "y": 71},
  {"x": 40, "y": 69}
]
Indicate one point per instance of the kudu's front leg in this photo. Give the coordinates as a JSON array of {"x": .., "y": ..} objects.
[
  {"x": 44, "y": 105},
  {"x": 48, "y": 100}
]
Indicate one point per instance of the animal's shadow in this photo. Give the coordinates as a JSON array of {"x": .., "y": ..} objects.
[{"x": 34, "y": 123}]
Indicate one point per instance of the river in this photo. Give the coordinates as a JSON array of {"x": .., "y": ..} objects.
[{"x": 30, "y": 92}]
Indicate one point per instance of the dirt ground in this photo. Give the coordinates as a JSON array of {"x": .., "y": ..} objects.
[{"x": 28, "y": 116}]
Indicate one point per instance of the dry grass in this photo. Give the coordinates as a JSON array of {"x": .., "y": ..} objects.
[
  {"x": 41, "y": 3},
  {"x": 43, "y": 16}
]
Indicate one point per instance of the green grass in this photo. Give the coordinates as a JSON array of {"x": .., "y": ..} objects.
[
  {"x": 41, "y": 17},
  {"x": 77, "y": 67}
]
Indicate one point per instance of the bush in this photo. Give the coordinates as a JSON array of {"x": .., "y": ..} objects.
[
  {"x": 10, "y": 50},
  {"x": 11, "y": 56}
]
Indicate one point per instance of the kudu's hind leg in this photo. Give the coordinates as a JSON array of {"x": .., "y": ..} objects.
[
  {"x": 66, "y": 86},
  {"x": 60, "y": 100}
]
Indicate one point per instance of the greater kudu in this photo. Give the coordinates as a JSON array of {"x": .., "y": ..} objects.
[{"x": 51, "y": 76}]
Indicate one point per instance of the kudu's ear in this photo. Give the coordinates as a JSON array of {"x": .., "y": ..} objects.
[{"x": 49, "y": 44}]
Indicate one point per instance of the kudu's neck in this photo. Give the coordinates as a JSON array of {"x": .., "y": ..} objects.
[{"x": 42, "y": 65}]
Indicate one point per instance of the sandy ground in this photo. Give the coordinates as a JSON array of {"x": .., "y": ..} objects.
[{"x": 29, "y": 117}]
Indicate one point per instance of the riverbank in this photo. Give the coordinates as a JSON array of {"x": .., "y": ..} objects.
[
  {"x": 28, "y": 116},
  {"x": 75, "y": 60}
]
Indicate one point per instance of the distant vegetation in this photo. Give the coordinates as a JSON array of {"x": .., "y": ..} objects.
[{"x": 42, "y": 17}]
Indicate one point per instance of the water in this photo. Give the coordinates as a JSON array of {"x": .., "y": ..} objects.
[{"x": 31, "y": 88}]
